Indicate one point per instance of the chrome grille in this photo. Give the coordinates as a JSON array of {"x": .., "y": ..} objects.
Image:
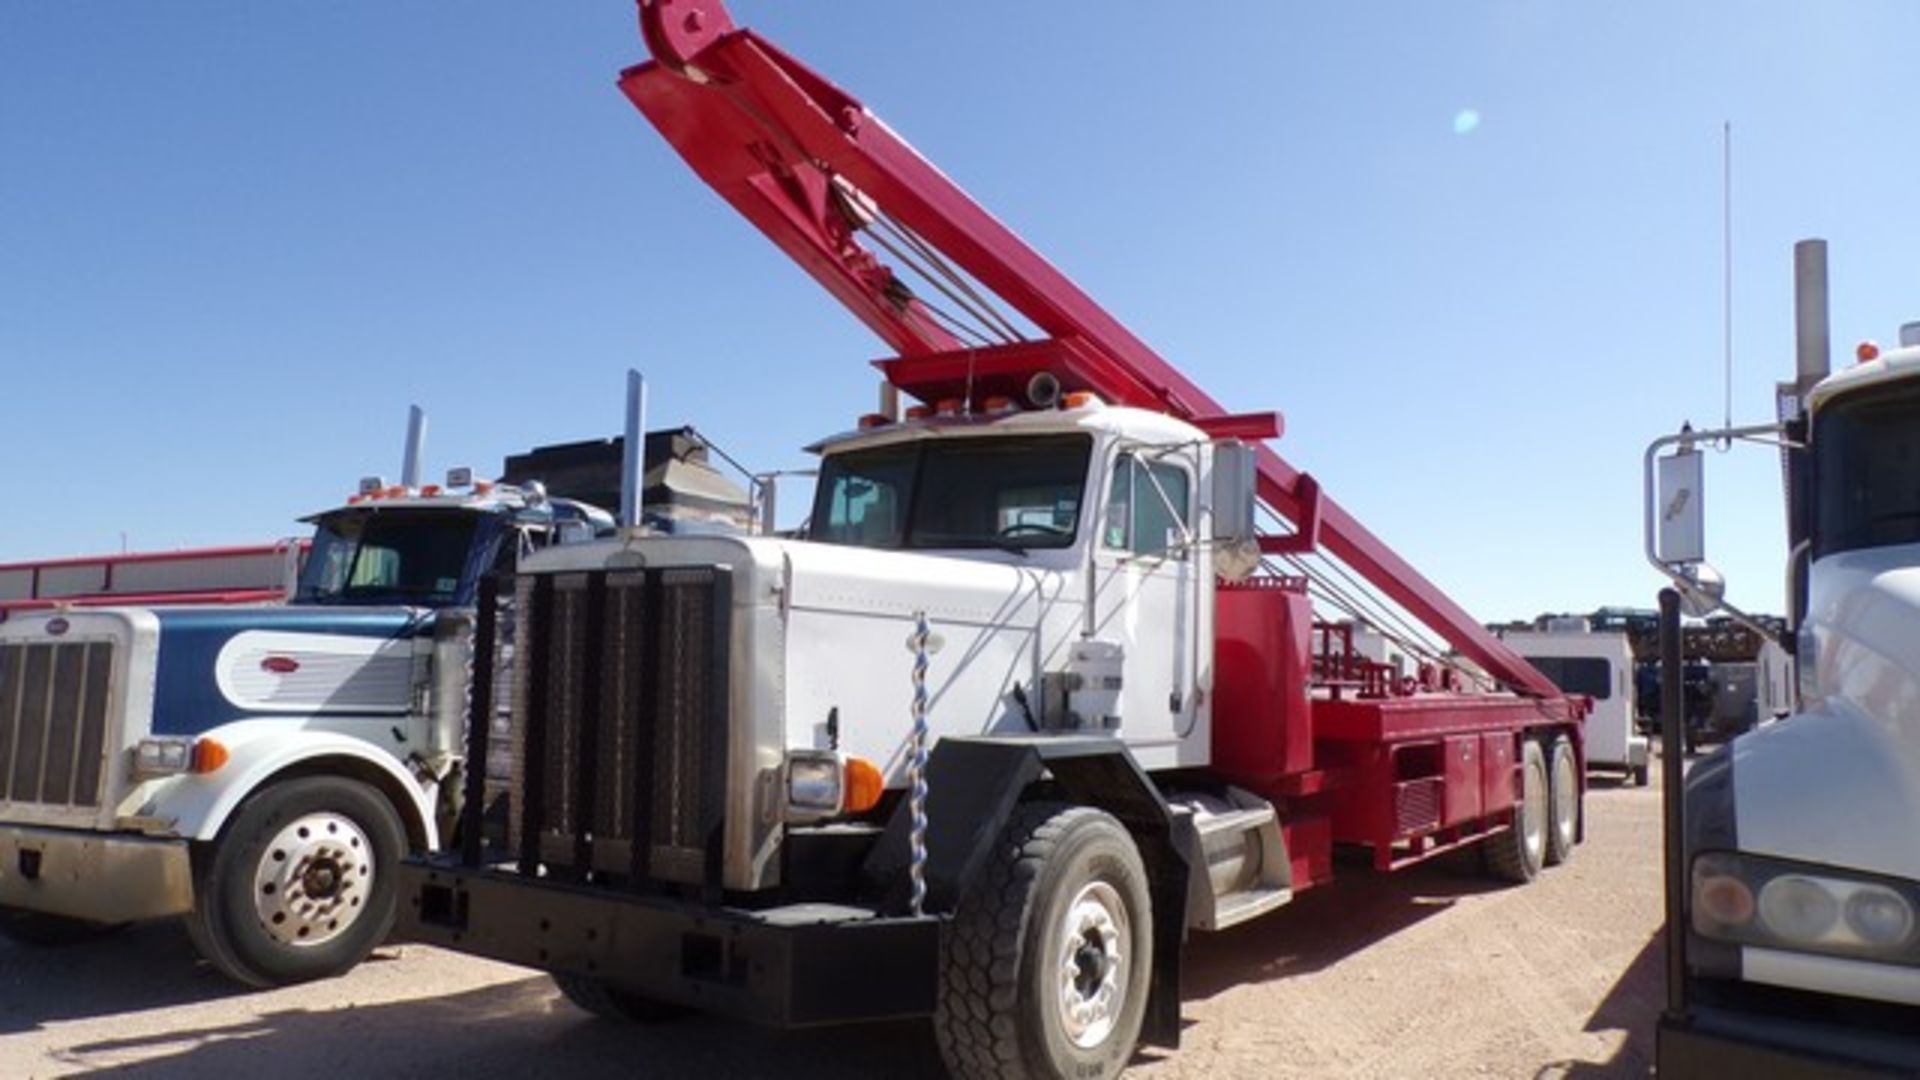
[
  {"x": 620, "y": 723},
  {"x": 53, "y": 721}
]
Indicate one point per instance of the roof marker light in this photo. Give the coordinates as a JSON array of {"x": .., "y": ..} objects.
[
  {"x": 919, "y": 412},
  {"x": 998, "y": 405},
  {"x": 1080, "y": 399},
  {"x": 874, "y": 420},
  {"x": 948, "y": 407},
  {"x": 430, "y": 490},
  {"x": 1866, "y": 351}
]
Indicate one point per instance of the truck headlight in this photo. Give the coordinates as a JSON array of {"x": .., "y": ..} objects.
[
  {"x": 823, "y": 783},
  {"x": 171, "y": 757},
  {"x": 1754, "y": 900},
  {"x": 813, "y": 783},
  {"x": 162, "y": 757}
]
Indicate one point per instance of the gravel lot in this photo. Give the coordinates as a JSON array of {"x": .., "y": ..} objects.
[{"x": 1432, "y": 972}]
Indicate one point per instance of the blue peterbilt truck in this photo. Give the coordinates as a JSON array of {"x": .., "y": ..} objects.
[{"x": 261, "y": 770}]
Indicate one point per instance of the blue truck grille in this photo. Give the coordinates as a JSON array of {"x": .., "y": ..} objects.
[
  {"x": 53, "y": 721},
  {"x": 620, "y": 723}
]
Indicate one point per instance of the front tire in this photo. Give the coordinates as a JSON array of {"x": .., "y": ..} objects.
[
  {"x": 1517, "y": 853},
  {"x": 1563, "y": 802},
  {"x": 300, "y": 883},
  {"x": 1046, "y": 967}
]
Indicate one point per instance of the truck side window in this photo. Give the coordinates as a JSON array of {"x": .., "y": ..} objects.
[
  {"x": 1138, "y": 519},
  {"x": 865, "y": 503}
]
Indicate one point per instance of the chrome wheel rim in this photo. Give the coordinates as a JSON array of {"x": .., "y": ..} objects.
[
  {"x": 1565, "y": 797},
  {"x": 1534, "y": 828},
  {"x": 1090, "y": 975},
  {"x": 313, "y": 880}
]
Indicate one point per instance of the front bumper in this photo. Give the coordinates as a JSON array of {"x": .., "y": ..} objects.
[
  {"x": 102, "y": 877},
  {"x": 1714, "y": 1042},
  {"x": 803, "y": 964}
]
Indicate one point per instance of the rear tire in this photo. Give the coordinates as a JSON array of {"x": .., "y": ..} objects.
[
  {"x": 610, "y": 1002},
  {"x": 1517, "y": 853},
  {"x": 1563, "y": 801},
  {"x": 1045, "y": 970},
  {"x": 1643, "y": 774},
  {"x": 43, "y": 931},
  {"x": 300, "y": 883}
]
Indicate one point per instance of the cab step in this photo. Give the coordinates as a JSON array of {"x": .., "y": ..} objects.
[{"x": 1247, "y": 870}]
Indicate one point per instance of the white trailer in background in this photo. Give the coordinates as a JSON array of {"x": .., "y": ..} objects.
[{"x": 1598, "y": 664}]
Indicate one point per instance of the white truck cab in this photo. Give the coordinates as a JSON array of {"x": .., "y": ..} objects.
[
  {"x": 977, "y": 524},
  {"x": 1801, "y": 887}
]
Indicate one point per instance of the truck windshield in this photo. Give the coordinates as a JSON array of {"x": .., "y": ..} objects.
[
  {"x": 1005, "y": 492},
  {"x": 402, "y": 558},
  {"x": 1866, "y": 448}
]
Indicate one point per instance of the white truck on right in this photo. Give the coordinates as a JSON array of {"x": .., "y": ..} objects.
[{"x": 1794, "y": 850}]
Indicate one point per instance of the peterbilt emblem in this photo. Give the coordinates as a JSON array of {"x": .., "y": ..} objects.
[
  {"x": 57, "y": 626},
  {"x": 280, "y": 665}
]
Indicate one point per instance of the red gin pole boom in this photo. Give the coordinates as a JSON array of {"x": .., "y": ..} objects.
[{"x": 783, "y": 145}]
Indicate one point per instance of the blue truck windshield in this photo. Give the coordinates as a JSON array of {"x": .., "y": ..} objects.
[
  {"x": 1000, "y": 492},
  {"x": 1866, "y": 448},
  {"x": 390, "y": 557}
]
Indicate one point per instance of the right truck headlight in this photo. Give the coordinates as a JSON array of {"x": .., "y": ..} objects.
[{"x": 1804, "y": 907}]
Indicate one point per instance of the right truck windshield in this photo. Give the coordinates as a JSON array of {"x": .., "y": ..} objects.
[{"x": 1866, "y": 448}]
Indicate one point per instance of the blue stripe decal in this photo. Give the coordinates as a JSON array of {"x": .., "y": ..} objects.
[{"x": 187, "y": 698}]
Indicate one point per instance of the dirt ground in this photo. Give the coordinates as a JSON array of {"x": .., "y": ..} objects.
[{"x": 1434, "y": 972}]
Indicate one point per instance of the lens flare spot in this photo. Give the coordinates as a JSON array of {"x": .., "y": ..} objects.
[{"x": 1466, "y": 121}]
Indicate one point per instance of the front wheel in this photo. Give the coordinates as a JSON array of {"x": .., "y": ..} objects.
[
  {"x": 300, "y": 883},
  {"x": 1045, "y": 970}
]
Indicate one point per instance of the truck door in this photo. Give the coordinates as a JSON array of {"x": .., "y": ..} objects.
[{"x": 1146, "y": 598}]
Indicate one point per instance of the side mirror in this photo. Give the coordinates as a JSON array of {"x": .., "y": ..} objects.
[
  {"x": 1236, "y": 550},
  {"x": 1680, "y": 527}
]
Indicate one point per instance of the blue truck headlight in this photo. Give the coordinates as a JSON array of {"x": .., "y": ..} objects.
[{"x": 1781, "y": 904}]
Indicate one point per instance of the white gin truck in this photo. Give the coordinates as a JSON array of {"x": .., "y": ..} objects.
[
  {"x": 1794, "y": 874},
  {"x": 1029, "y": 701}
]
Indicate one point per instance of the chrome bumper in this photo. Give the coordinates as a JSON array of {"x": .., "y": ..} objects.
[{"x": 104, "y": 877}]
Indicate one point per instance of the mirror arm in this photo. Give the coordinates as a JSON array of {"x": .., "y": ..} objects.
[{"x": 1306, "y": 539}]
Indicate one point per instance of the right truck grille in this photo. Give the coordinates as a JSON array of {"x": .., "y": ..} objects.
[
  {"x": 620, "y": 723},
  {"x": 53, "y": 721}
]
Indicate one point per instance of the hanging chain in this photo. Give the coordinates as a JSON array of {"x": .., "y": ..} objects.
[{"x": 917, "y": 768}]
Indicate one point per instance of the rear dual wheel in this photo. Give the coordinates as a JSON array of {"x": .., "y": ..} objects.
[
  {"x": 1545, "y": 822},
  {"x": 1563, "y": 800}
]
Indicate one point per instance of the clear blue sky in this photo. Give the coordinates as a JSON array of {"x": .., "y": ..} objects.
[{"x": 237, "y": 239}]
